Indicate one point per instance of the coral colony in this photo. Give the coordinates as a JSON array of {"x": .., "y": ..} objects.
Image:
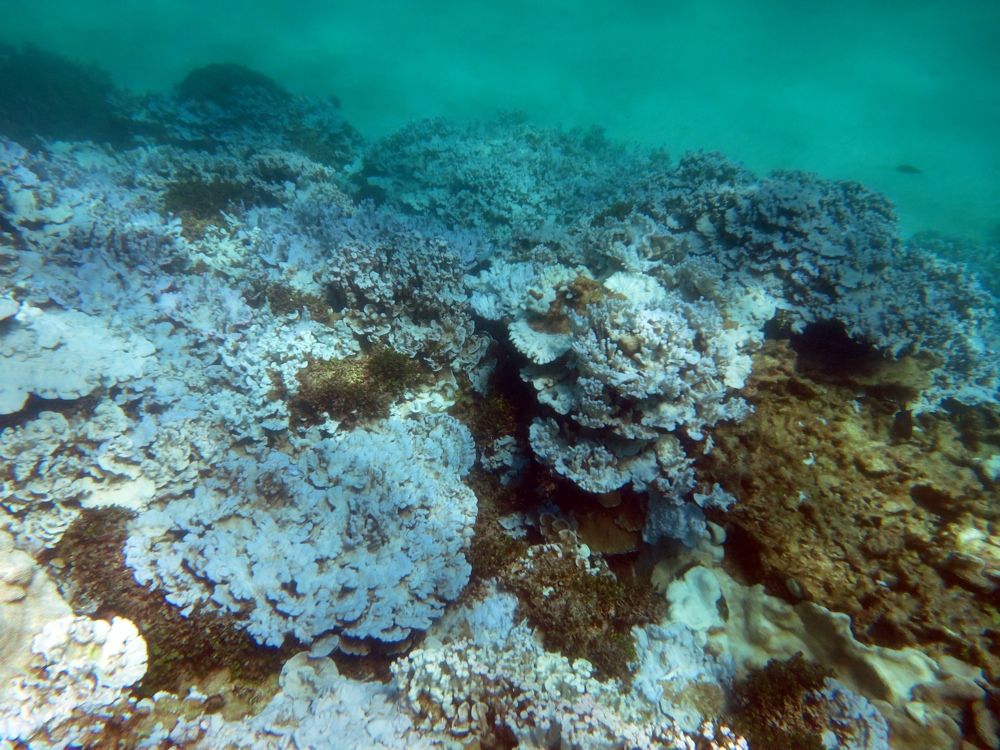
[{"x": 478, "y": 436}]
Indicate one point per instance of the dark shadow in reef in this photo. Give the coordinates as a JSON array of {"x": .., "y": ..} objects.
[{"x": 47, "y": 97}]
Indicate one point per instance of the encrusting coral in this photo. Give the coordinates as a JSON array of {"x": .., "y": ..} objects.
[{"x": 832, "y": 508}]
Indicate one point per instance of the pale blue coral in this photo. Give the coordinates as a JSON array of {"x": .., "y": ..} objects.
[{"x": 363, "y": 535}]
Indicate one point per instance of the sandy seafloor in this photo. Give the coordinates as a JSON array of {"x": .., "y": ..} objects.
[{"x": 475, "y": 435}]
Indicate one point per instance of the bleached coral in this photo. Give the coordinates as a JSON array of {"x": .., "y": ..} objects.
[
  {"x": 64, "y": 354},
  {"x": 28, "y": 601},
  {"x": 8, "y": 308},
  {"x": 498, "y": 679},
  {"x": 517, "y": 290},
  {"x": 363, "y": 534},
  {"x": 590, "y": 461},
  {"x": 79, "y": 681},
  {"x": 936, "y": 308},
  {"x": 855, "y": 724},
  {"x": 916, "y": 694},
  {"x": 675, "y": 673},
  {"x": 505, "y": 458},
  {"x": 315, "y": 707},
  {"x": 316, "y": 704},
  {"x": 651, "y": 348},
  {"x": 644, "y": 364},
  {"x": 624, "y": 363},
  {"x": 69, "y": 198},
  {"x": 55, "y": 465}
]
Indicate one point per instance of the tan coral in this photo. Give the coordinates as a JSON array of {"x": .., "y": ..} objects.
[
  {"x": 28, "y": 601},
  {"x": 899, "y": 533}
]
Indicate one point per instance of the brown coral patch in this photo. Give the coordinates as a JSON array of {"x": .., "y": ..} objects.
[
  {"x": 580, "y": 613},
  {"x": 839, "y": 507},
  {"x": 488, "y": 417},
  {"x": 772, "y": 707},
  {"x": 354, "y": 389},
  {"x": 493, "y": 550},
  {"x": 578, "y": 295},
  {"x": 89, "y": 566},
  {"x": 284, "y": 299},
  {"x": 200, "y": 203}
]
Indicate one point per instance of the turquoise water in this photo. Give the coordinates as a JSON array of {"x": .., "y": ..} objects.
[{"x": 851, "y": 90}]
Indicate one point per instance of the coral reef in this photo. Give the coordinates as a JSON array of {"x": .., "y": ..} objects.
[
  {"x": 364, "y": 537},
  {"x": 462, "y": 438},
  {"x": 504, "y": 178},
  {"x": 77, "y": 683},
  {"x": 831, "y": 509}
]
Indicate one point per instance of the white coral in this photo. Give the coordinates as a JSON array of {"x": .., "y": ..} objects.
[
  {"x": 316, "y": 707},
  {"x": 79, "y": 680},
  {"x": 54, "y": 465},
  {"x": 363, "y": 533},
  {"x": 64, "y": 354}
]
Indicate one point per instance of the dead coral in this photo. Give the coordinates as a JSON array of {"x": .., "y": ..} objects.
[
  {"x": 582, "y": 606},
  {"x": 284, "y": 300},
  {"x": 582, "y": 609},
  {"x": 493, "y": 550},
  {"x": 200, "y": 203},
  {"x": 774, "y": 707},
  {"x": 355, "y": 389},
  {"x": 838, "y": 506},
  {"x": 490, "y": 417}
]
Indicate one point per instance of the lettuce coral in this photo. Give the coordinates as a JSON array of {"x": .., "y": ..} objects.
[{"x": 362, "y": 535}]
